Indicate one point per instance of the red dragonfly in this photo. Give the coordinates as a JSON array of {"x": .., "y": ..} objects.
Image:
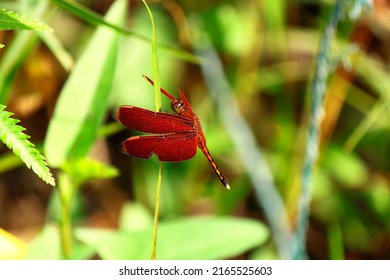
[{"x": 176, "y": 135}]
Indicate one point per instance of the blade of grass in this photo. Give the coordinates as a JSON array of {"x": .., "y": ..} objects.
[
  {"x": 82, "y": 104},
  {"x": 376, "y": 112},
  {"x": 79, "y": 112},
  {"x": 58, "y": 50},
  {"x": 155, "y": 66},
  {"x": 95, "y": 19},
  {"x": 317, "y": 92},
  {"x": 157, "y": 98},
  {"x": 377, "y": 77}
]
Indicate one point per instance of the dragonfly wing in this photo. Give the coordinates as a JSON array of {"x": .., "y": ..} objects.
[
  {"x": 152, "y": 122},
  {"x": 167, "y": 147}
]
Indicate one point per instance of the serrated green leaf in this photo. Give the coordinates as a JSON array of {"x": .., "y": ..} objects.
[
  {"x": 13, "y": 21},
  {"x": 83, "y": 101},
  {"x": 12, "y": 135}
]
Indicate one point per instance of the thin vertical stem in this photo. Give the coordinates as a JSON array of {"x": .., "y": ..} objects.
[
  {"x": 157, "y": 98},
  {"x": 311, "y": 154},
  {"x": 156, "y": 213},
  {"x": 156, "y": 76},
  {"x": 65, "y": 188}
]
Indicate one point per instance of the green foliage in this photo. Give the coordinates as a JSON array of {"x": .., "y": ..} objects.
[
  {"x": 17, "y": 52},
  {"x": 189, "y": 238},
  {"x": 13, "y": 21},
  {"x": 157, "y": 99},
  {"x": 84, "y": 169},
  {"x": 345, "y": 168},
  {"x": 93, "y": 18},
  {"x": 267, "y": 51},
  {"x": 90, "y": 84},
  {"x": 49, "y": 237},
  {"x": 12, "y": 135}
]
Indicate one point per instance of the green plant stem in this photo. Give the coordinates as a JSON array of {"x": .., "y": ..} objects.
[
  {"x": 335, "y": 241},
  {"x": 156, "y": 213},
  {"x": 157, "y": 98},
  {"x": 156, "y": 76},
  {"x": 65, "y": 187},
  {"x": 312, "y": 144}
]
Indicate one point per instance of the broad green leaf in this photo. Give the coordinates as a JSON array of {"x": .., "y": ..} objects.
[
  {"x": 135, "y": 217},
  {"x": 83, "y": 101},
  {"x": 49, "y": 239},
  {"x": 209, "y": 238},
  {"x": 117, "y": 245},
  {"x": 191, "y": 238}
]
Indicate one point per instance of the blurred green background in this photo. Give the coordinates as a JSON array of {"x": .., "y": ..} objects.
[{"x": 64, "y": 85}]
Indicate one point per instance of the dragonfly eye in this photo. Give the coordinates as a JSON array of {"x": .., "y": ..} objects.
[{"x": 177, "y": 105}]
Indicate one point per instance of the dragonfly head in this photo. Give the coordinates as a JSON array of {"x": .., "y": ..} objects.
[{"x": 178, "y": 106}]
